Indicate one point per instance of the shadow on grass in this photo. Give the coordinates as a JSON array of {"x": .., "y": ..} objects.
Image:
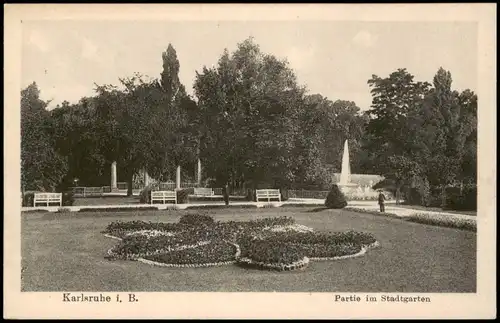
[
  {"x": 209, "y": 207},
  {"x": 318, "y": 209},
  {"x": 34, "y": 211},
  {"x": 119, "y": 209},
  {"x": 359, "y": 210}
]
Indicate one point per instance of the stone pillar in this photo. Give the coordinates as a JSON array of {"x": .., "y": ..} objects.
[
  {"x": 113, "y": 177},
  {"x": 146, "y": 178},
  {"x": 199, "y": 172},
  {"x": 178, "y": 178}
]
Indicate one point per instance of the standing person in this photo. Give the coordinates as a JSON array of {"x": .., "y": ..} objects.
[
  {"x": 381, "y": 201},
  {"x": 225, "y": 193}
]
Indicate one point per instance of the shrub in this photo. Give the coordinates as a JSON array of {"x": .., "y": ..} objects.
[
  {"x": 335, "y": 199},
  {"x": 145, "y": 195},
  {"x": 68, "y": 198},
  {"x": 28, "y": 198},
  {"x": 182, "y": 196},
  {"x": 250, "y": 195},
  {"x": 197, "y": 219},
  {"x": 467, "y": 201},
  {"x": 284, "y": 194}
]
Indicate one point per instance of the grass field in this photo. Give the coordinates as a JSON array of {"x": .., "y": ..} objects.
[{"x": 65, "y": 252}]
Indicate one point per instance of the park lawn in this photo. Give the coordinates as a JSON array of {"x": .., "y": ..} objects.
[{"x": 65, "y": 252}]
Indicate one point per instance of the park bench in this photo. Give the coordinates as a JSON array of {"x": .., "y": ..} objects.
[
  {"x": 201, "y": 191},
  {"x": 47, "y": 198},
  {"x": 268, "y": 194},
  {"x": 164, "y": 196},
  {"x": 92, "y": 191},
  {"x": 88, "y": 191}
]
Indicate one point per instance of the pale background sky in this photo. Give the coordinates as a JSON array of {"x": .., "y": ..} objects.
[{"x": 333, "y": 58}]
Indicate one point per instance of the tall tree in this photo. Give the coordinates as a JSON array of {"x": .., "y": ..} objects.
[
  {"x": 394, "y": 98},
  {"x": 449, "y": 128},
  {"x": 42, "y": 168},
  {"x": 251, "y": 105}
]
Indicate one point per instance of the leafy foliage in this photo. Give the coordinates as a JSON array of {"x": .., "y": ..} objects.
[
  {"x": 422, "y": 135},
  {"x": 335, "y": 199},
  {"x": 196, "y": 219},
  {"x": 42, "y": 168}
]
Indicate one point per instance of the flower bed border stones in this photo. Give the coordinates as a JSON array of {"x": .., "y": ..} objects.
[
  {"x": 247, "y": 262},
  {"x": 135, "y": 256},
  {"x": 364, "y": 249},
  {"x": 212, "y": 264}
]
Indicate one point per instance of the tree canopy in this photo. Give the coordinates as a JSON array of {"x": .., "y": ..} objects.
[{"x": 252, "y": 123}]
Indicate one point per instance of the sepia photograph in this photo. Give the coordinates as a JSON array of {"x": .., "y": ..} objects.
[{"x": 249, "y": 156}]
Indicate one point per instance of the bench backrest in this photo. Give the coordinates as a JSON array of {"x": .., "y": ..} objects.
[
  {"x": 203, "y": 191},
  {"x": 163, "y": 194},
  {"x": 267, "y": 192},
  {"x": 48, "y": 196}
]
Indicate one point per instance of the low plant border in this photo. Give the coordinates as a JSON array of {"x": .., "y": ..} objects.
[
  {"x": 426, "y": 219},
  {"x": 247, "y": 262},
  {"x": 446, "y": 221}
]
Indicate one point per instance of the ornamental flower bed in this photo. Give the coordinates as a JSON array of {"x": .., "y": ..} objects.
[
  {"x": 211, "y": 253},
  {"x": 197, "y": 240}
]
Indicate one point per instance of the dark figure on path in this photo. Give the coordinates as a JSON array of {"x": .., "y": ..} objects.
[
  {"x": 225, "y": 194},
  {"x": 381, "y": 201}
]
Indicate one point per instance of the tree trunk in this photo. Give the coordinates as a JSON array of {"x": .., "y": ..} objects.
[
  {"x": 443, "y": 196},
  {"x": 129, "y": 184},
  {"x": 397, "y": 195}
]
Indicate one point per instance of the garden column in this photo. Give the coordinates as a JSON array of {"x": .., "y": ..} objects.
[
  {"x": 113, "y": 177},
  {"x": 199, "y": 172},
  {"x": 146, "y": 178},
  {"x": 178, "y": 178}
]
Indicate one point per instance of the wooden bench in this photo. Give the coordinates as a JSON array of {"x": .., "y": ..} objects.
[
  {"x": 200, "y": 191},
  {"x": 268, "y": 194},
  {"x": 92, "y": 191},
  {"x": 164, "y": 196},
  {"x": 47, "y": 198}
]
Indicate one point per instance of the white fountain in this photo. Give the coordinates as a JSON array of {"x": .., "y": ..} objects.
[{"x": 345, "y": 174}]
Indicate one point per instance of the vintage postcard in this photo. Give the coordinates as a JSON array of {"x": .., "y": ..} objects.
[{"x": 250, "y": 161}]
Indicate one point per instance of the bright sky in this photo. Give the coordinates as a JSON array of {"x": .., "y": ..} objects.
[{"x": 332, "y": 58}]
